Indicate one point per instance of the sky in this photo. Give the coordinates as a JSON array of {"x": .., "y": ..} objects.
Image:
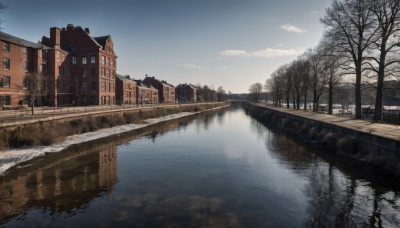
[{"x": 228, "y": 43}]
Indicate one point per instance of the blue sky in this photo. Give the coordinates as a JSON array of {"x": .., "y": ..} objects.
[{"x": 229, "y": 43}]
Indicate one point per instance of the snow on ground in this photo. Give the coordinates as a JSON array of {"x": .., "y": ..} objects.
[{"x": 14, "y": 157}]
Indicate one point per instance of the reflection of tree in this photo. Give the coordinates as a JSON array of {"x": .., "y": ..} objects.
[{"x": 341, "y": 192}]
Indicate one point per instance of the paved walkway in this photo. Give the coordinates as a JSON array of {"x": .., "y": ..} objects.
[{"x": 384, "y": 130}]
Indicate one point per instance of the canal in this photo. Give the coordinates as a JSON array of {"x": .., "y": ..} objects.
[{"x": 217, "y": 169}]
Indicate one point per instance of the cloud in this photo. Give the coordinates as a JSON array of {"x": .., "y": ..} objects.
[
  {"x": 191, "y": 66},
  {"x": 234, "y": 53},
  {"x": 271, "y": 52},
  {"x": 314, "y": 12},
  {"x": 280, "y": 45},
  {"x": 292, "y": 28},
  {"x": 265, "y": 53}
]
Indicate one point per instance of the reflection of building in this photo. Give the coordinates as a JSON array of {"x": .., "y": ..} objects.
[
  {"x": 166, "y": 92},
  {"x": 61, "y": 184},
  {"x": 186, "y": 93}
]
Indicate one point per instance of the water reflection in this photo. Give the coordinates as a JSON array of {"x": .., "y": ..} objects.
[
  {"x": 217, "y": 169},
  {"x": 60, "y": 184},
  {"x": 341, "y": 192}
]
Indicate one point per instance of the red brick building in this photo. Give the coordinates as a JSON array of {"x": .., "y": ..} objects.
[
  {"x": 125, "y": 90},
  {"x": 146, "y": 94},
  {"x": 80, "y": 69},
  {"x": 186, "y": 93},
  {"x": 166, "y": 92},
  {"x": 18, "y": 57}
]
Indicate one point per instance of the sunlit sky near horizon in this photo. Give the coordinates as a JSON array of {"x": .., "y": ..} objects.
[{"x": 229, "y": 43}]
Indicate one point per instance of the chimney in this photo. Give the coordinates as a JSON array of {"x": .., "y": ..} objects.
[
  {"x": 55, "y": 36},
  {"x": 87, "y": 31}
]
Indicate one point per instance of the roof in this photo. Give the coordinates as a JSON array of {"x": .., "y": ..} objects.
[
  {"x": 18, "y": 41},
  {"x": 101, "y": 40},
  {"x": 124, "y": 78}
]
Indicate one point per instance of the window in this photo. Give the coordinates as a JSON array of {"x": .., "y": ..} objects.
[
  {"x": 103, "y": 86},
  {"x": 6, "y": 64},
  {"x": 61, "y": 85},
  {"x": 25, "y": 66},
  {"x": 69, "y": 72},
  {"x": 84, "y": 72},
  {"x": 92, "y": 59},
  {"x": 5, "y": 82},
  {"x": 5, "y": 100},
  {"x": 107, "y": 73},
  {"x": 84, "y": 61},
  {"x": 112, "y": 62},
  {"x": 103, "y": 60},
  {"x": 112, "y": 74},
  {"x": 93, "y": 85},
  {"x": 24, "y": 50},
  {"x": 94, "y": 72},
  {"x": 83, "y": 88},
  {"x": 103, "y": 71},
  {"x": 6, "y": 47},
  {"x": 108, "y": 61},
  {"x": 73, "y": 60}
]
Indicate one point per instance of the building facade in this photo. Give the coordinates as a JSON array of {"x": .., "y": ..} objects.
[
  {"x": 80, "y": 69},
  {"x": 19, "y": 57},
  {"x": 186, "y": 93},
  {"x": 125, "y": 90},
  {"x": 166, "y": 92},
  {"x": 146, "y": 94}
]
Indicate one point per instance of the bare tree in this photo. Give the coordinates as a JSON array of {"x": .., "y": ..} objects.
[
  {"x": 317, "y": 79},
  {"x": 221, "y": 94},
  {"x": 34, "y": 88},
  {"x": 383, "y": 56},
  {"x": 351, "y": 26},
  {"x": 255, "y": 92}
]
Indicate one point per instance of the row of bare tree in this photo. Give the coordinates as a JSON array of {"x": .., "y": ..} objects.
[{"x": 360, "y": 45}]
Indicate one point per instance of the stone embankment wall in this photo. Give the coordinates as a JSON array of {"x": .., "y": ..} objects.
[
  {"x": 51, "y": 130},
  {"x": 382, "y": 152}
]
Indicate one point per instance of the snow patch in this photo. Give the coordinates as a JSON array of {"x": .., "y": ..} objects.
[{"x": 14, "y": 157}]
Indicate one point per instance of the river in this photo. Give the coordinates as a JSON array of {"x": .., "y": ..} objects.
[{"x": 217, "y": 169}]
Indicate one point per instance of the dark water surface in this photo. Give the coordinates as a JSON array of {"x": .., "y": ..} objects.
[{"x": 218, "y": 169}]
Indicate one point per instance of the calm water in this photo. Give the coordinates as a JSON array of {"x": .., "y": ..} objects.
[{"x": 220, "y": 169}]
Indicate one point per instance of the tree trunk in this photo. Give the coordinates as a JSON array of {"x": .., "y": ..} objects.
[
  {"x": 330, "y": 100},
  {"x": 358, "y": 88},
  {"x": 305, "y": 99},
  {"x": 379, "y": 89}
]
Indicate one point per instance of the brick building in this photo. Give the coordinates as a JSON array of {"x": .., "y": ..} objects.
[
  {"x": 166, "y": 92},
  {"x": 19, "y": 57},
  {"x": 146, "y": 94},
  {"x": 186, "y": 93},
  {"x": 80, "y": 69},
  {"x": 125, "y": 90}
]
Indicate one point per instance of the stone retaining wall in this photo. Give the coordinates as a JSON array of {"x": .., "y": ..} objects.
[{"x": 370, "y": 148}]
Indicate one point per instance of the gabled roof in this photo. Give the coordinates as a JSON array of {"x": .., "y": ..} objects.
[
  {"x": 102, "y": 40},
  {"x": 18, "y": 41}
]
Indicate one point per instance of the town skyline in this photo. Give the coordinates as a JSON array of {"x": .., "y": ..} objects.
[{"x": 202, "y": 42}]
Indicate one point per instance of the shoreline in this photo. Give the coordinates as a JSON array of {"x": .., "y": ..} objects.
[{"x": 13, "y": 157}]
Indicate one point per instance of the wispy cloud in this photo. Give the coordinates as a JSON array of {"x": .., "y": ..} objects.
[
  {"x": 314, "y": 12},
  {"x": 234, "y": 53},
  {"x": 193, "y": 66},
  {"x": 265, "y": 53},
  {"x": 292, "y": 28}
]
